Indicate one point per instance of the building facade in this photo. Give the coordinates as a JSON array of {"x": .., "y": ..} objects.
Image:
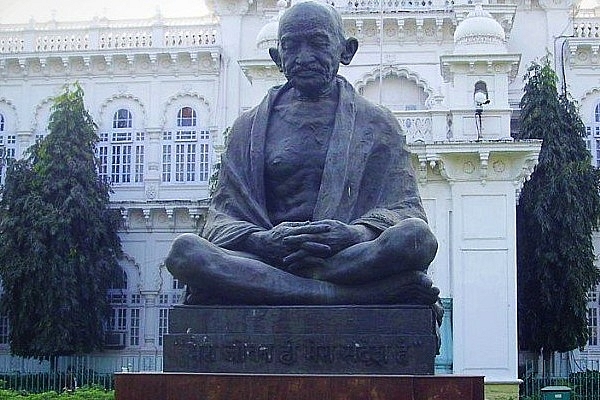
[{"x": 163, "y": 92}]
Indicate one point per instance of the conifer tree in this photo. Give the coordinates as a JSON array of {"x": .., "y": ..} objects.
[
  {"x": 58, "y": 239},
  {"x": 557, "y": 213}
]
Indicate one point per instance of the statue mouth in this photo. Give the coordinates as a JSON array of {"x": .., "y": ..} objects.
[{"x": 307, "y": 72}]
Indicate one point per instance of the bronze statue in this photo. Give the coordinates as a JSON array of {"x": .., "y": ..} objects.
[{"x": 317, "y": 201}]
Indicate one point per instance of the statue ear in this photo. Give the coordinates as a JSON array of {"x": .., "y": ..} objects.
[
  {"x": 350, "y": 48},
  {"x": 274, "y": 53}
]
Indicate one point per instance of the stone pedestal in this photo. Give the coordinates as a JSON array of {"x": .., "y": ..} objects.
[
  {"x": 299, "y": 353},
  {"x": 186, "y": 386},
  {"x": 379, "y": 340}
]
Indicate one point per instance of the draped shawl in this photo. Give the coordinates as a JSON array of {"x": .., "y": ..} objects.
[{"x": 367, "y": 178}]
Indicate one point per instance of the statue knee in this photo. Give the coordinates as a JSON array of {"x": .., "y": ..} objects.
[
  {"x": 427, "y": 243},
  {"x": 180, "y": 257},
  {"x": 412, "y": 241}
]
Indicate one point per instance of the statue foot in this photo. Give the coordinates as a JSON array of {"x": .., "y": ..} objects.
[{"x": 411, "y": 287}]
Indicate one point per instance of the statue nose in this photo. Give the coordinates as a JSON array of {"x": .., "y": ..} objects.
[{"x": 305, "y": 56}]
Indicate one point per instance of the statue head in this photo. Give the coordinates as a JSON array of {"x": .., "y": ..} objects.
[{"x": 311, "y": 47}]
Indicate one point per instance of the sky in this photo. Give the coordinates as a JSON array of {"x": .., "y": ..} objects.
[{"x": 21, "y": 11}]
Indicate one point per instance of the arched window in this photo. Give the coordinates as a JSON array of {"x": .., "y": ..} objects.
[
  {"x": 121, "y": 151},
  {"x": 186, "y": 117},
  {"x": 593, "y": 136},
  {"x": 185, "y": 150},
  {"x": 398, "y": 93},
  {"x": 122, "y": 119}
]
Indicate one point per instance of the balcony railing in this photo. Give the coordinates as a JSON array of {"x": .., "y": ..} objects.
[
  {"x": 417, "y": 126},
  {"x": 142, "y": 34},
  {"x": 586, "y": 27},
  {"x": 392, "y": 6}
]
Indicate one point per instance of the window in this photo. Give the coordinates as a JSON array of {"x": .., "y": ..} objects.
[
  {"x": 118, "y": 320},
  {"x": 185, "y": 150},
  {"x": 122, "y": 119},
  {"x": 163, "y": 324},
  {"x": 163, "y": 298},
  {"x": 121, "y": 152},
  {"x": 592, "y": 326},
  {"x": 592, "y": 140},
  {"x": 2, "y": 150},
  {"x": 125, "y": 318},
  {"x": 8, "y": 147},
  {"x": 134, "y": 330},
  {"x": 186, "y": 117},
  {"x": 171, "y": 295},
  {"x": 177, "y": 284},
  {"x": 117, "y": 297},
  {"x": 592, "y": 314}
]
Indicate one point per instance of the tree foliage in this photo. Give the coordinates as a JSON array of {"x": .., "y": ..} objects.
[
  {"x": 58, "y": 239},
  {"x": 557, "y": 213}
]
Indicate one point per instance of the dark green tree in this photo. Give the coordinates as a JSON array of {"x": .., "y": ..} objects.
[
  {"x": 58, "y": 239},
  {"x": 557, "y": 213}
]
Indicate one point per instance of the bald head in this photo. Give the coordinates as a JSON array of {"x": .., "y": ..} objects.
[{"x": 311, "y": 13}]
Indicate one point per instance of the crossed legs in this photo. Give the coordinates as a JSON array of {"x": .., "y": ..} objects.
[{"x": 387, "y": 270}]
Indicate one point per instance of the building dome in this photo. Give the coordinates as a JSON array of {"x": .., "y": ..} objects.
[
  {"x": 267, "y": 37},
  {"x": 479, "y": 33}
]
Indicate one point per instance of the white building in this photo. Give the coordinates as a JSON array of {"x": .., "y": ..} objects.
[{"x": 163, "y": 91}]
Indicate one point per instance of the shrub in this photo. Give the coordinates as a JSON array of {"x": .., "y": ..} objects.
[{"x": 85, "y": 393}]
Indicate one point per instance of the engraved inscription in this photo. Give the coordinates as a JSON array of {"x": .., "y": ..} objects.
[{"x": 199, "y": 352}]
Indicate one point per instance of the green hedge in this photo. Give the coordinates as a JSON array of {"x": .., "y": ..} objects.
[
  {"x": 85, "y": 393},
  {"x": 58, "y": 381}
]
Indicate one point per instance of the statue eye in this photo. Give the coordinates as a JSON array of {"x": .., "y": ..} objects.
[
  {"x": 319, "y": 41},
  {"x": 287, "y": 44}
]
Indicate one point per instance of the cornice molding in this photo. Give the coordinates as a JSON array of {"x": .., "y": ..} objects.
[
  {"x": 153, "y": 215},
  {"x": 483, "y": 161},
  {"x": 261, "y": 69},
  {"x": 451, "y": 64},
  {"x": 111, "y": 62}
]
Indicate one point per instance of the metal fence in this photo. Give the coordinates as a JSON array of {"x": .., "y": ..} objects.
[
  {"x": 583, "y": 377},
  {"x": 65, "y": 373},
  {"x": 584, "y": 385}
]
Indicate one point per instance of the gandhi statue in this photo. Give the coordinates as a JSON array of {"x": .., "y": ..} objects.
[{"x": 316, "y": 202}]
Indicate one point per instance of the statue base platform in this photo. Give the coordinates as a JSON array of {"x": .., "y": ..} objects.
[
  {"x": 367, "y": 340},
  {"x": 187, "y": 386}
]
